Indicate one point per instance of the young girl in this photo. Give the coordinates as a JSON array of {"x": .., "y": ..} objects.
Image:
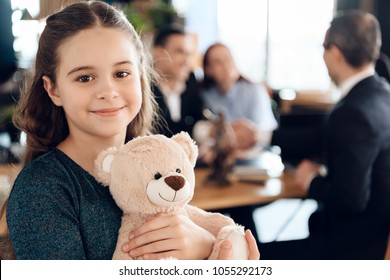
[{"x": 90, "y": 91}]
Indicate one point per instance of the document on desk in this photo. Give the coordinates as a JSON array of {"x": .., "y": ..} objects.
[{"x": 265, "y": 165}]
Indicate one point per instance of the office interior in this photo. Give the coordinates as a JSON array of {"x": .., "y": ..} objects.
[{"x": 275, "y": 42}]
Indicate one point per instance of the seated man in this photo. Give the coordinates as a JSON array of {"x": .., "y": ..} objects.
[{"x": 176, "y": 89}]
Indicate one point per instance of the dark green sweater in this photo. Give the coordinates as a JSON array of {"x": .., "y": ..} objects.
[{"x": 57, "y": 210}]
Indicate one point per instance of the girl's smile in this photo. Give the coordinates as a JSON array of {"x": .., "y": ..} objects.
[{"x": 108, "y": 112}]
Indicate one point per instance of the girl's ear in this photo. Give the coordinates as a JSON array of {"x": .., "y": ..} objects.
[{"x": 51, "y": 91}]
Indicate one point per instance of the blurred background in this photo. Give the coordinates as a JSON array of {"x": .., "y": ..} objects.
[{"x": 275, "y": 42}]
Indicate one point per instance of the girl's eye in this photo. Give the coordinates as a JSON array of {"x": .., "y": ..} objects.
[
  {"x": 157, "y": 176},
  {"x": 122, "y": 74},
  {"x": 84, "y": 79},
  {"x": 178, "y": 170}
]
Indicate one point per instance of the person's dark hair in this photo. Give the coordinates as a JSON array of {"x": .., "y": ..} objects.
[
  {"x": 357, "y": 34},
  {"x": 162, "y": 35},
  {"x": 44, "y": 123},
  {"x": 209, "y": 81}
]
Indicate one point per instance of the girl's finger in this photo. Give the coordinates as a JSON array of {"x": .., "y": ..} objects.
[
  {"x": 152, "y": 237},
  {"x": 153, "y": 223},
  {"x": 254, "y": 253},
  {"x": 225, "y": 252},
  {"x": 157, "y": 247}
]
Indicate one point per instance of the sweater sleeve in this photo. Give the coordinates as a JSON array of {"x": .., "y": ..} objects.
[{"x": 42, "y": 217}]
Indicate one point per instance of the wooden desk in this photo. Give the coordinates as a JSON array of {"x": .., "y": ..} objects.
[
  {"x": 8, "y": 174},
  {"x": 319, "y": 100},
  {"x": 239, "y": 199},
  {"x": 9, "y": 170},
  {"x": 209, "y": 196}
]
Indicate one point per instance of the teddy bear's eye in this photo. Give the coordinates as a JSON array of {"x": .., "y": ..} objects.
[
  {"x": 157, "y": 176},
  {"x": 178, "y": 170}
]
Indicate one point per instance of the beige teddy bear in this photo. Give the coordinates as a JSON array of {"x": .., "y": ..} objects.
[{"x": 155, "y": 174}]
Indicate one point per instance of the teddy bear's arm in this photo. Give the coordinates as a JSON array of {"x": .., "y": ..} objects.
[
  {"x": 129, "y": 222},
  {"x": 212, "y": 222},
  {"x": 222, "y": 227}
]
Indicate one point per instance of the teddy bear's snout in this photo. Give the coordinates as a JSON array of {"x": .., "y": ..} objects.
[{"x": 175, "y": 182}]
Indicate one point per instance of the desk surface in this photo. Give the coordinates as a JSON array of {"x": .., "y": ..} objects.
[
  {"x": 9, "y": 170},
  {"x": 208, "y": 196}
]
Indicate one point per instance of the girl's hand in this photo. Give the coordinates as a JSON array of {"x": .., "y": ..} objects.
[
  {"x": 225, "y": 252},
  {"x": 165, "y": 236}
]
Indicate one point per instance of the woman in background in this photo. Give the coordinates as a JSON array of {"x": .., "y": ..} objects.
[{"x": 247, "y": 106}]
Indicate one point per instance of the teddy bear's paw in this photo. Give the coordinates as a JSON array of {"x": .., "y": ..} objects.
[
  {"x": 236, "y": 236},
  {"x": 240, "y": 246}
]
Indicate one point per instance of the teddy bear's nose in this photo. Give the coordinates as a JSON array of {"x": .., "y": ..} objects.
[{"x": 175, "y": 182}]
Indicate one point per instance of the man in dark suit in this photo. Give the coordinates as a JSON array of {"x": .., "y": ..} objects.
[
  {"x": 176, "y": 90},
  {"x": 353, "y": 217}
]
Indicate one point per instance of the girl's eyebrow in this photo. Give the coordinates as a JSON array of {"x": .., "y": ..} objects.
[
  {"x": 79, "y": 68},
  {"x": 124, "y": 62}
]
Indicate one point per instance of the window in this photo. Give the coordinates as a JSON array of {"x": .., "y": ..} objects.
[
  {"x": 296, "y": 32},
  {"x": 25, "y": 30},
  {"x": 277, "y": 41},
  {"x": 244, "y": 29}
]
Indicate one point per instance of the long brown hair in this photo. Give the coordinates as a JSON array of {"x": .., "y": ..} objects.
[{"x": 44, "y": 123}]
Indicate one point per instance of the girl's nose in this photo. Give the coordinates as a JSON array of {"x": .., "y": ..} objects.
[{"x": 107, "y": 90}]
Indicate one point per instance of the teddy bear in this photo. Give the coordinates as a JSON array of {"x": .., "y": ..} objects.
[{"x": 155, "y": 174}]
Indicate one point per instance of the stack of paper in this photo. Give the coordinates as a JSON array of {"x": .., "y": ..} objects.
[{"x": 263, "y": 166}]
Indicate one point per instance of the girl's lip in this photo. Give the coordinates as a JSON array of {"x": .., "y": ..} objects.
[{"x": 108, "y": 111}]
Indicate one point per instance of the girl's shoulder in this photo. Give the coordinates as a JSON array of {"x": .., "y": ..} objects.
[
  {"x": 51, "y": 179},
  {"x": 51, "y": 168},
  {"x": 47, "y": 163}
]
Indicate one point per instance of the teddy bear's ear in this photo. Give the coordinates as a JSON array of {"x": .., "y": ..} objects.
[
  {"x": 188, "y": 144},
  {"x": 103, "y": 165}
]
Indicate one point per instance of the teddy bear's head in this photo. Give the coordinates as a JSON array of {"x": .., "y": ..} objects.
[{"x": 150, "y": 174}]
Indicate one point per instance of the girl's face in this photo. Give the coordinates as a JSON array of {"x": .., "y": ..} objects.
[{"x": 98, "y": 83}]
